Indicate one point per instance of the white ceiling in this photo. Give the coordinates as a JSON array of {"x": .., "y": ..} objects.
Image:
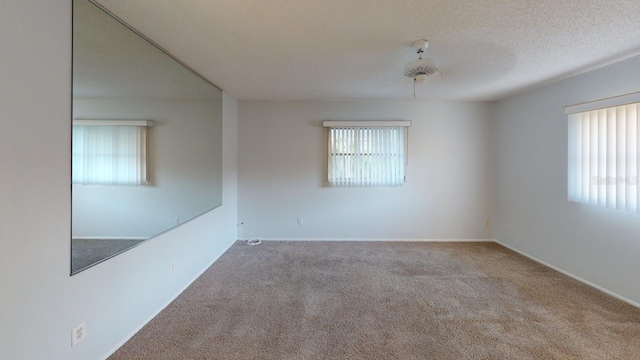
[{"x": 356, "y": 49}]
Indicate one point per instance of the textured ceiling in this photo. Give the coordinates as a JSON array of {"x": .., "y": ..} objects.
[{"x": 356, "y": 49}]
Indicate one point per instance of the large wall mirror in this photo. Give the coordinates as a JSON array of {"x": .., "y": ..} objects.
[{"x": 146, "y": 142}]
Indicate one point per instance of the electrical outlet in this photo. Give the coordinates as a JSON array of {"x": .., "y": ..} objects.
[
  {"x": 172, "y": 267},
  {"x": 300, "y": 221},
  {"x": 508, "y": 226},
  {"x": 487, "y": 223},
  {"x": 177, "y": 221},
  {"x": 78, "y": 333}
]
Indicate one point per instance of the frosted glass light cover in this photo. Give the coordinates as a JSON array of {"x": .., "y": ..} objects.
[{"x": 417, "y": 67}]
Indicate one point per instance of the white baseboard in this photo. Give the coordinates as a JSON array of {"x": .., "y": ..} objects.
[
  {"x": 110, "y": 238},
  {"x": 370, "y": 239},
  {"x": 608, "y": 292},
  {"x": 162, "y": 307}
]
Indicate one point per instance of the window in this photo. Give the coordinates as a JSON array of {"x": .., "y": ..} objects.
[
  {"x": 109, "y": 152},
  {"x": 366, "y": 153},
  {"x": 603, "y": 153}
]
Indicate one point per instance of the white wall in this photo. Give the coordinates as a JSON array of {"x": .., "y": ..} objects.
[
  {"x": 185, "y": 159},
  {"x": 599, "y": 245},
  {"x": 39, "y": 301},
  {"x": 282, "y": 164}
]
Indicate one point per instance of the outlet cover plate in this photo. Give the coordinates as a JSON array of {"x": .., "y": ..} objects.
[{"x": 78, "y": 333}]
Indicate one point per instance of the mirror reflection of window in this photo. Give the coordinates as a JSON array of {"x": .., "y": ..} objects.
[{"x": 110, "y": 155}]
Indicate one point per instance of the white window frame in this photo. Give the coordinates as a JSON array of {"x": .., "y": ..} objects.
[{"x": 393, "y": 174}]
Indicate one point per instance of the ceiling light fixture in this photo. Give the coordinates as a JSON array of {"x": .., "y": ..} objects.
[{"x": 421, "y": 70}]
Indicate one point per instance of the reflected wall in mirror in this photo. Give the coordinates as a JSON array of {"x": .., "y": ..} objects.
[{"x": 147, "y": 139}]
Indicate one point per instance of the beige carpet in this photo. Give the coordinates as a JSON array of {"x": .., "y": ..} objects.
[{"x": 330, "y": 300}]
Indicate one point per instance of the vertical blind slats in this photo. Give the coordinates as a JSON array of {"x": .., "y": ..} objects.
[
  {"x": 604, "y": 157},
  {"x": 366, "y": 156}
]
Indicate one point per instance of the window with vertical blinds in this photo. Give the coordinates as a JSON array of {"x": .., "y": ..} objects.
[
  {"x": 109, "y": 155},
  {"x": 604, "y": 155},
  {"x": 366, "y": 156}
]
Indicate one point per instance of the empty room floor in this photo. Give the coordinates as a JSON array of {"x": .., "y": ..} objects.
[{"x": 381, "y": 300}]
